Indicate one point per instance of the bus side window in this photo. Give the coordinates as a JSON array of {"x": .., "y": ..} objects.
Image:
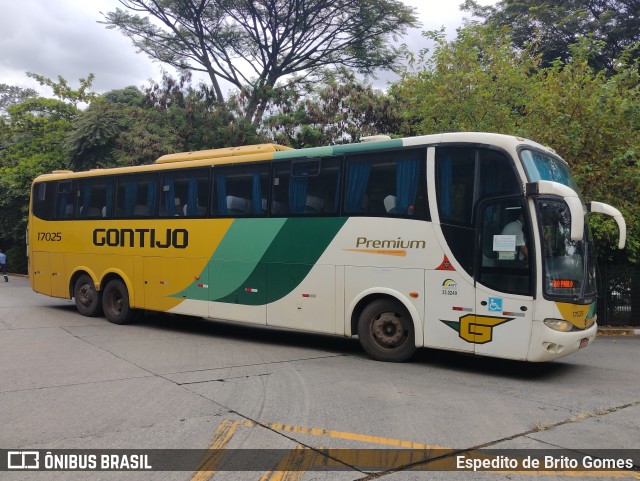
[
  {"x": 65, "y": 200},
  {"x": 136, "y": 196},
  {"x": 43, "y": 199},
  {"x": 497, "y": 175},
  {"x": 465, "y": 175},
  {"x": 307, "y": 187},
  {"x": 95, "y": 198},
  {"x": 184, "y": 193},
  {"x": 240, "y": 190},
  {"x": 455, "y": 178},
  {"x": 388, "y": 184}
]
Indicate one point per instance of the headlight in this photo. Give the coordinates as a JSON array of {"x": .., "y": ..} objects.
[{"x": 559, "y": 325}]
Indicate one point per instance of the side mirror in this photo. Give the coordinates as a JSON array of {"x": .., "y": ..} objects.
[{"x": 606, "y": 209}]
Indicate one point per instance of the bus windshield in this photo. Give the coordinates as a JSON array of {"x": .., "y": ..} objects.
[
  {"x": 568, "y": 269},
  {"x": 540, "y": 166}
]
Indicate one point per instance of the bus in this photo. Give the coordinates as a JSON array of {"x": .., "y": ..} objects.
[{"x": 469, "y": 242}]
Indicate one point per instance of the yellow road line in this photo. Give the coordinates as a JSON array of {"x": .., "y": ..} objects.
[
  {"x": 210, "y": 461},
  {"x": 292, "y": 460},
  {"x": 352, "y": 436}
]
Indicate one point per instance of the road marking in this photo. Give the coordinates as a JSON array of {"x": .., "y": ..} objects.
[
  {"x": 221, "y": 437},
  {"x": 292, "y": 460},
  {"x": 227, "y": 428}
]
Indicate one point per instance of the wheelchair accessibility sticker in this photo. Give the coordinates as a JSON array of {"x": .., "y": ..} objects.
[{"x": 495, "y": 304}]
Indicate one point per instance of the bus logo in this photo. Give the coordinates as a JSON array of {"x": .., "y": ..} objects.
[
  {"x": 476, "y": 329},
  {"x": 449, "y": 288},
  {"x": 388, "y": 247},
  {"x": 177, "y": 238},
  {"x": 23, "y": 459}
]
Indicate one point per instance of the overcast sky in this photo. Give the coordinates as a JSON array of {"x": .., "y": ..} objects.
[{"x": 62, "y": 37}]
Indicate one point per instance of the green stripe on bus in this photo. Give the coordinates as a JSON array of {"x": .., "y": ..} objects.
[
  {"x": 235, "y": 259},
  {"x": 367, "y": 146},
  {"x": 287, "y": 261}
]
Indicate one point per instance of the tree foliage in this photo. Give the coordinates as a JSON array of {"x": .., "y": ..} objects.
[
  {"x": 31, "y": 137},
  {"x": 255, "y": 44},
  {"x": 555, "y": 25},
  {"x": 12, "y": 95},
  {"x": 341, "y": 110},
  {"x": 130, "y": 127},
  {"x": 477, "y": 82}
]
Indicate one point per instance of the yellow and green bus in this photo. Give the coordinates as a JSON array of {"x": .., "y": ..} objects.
[{"x": 471, "y": 242}]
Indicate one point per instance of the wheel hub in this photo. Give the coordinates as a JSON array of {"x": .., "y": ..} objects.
[
  {"x": 387, "y": 329},
  {"x": 85, "y": 294}
]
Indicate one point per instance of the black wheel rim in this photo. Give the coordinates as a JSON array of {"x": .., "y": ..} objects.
[
  {"x": 86, "y": 295},
  {"x": 388, "y": 331}
]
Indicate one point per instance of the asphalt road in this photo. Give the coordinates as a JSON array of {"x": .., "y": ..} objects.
[{"x": 170, "y": 382}]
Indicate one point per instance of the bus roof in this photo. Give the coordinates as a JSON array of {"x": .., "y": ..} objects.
[
  {"x": 262, "y": 152},
  {"x": 221, "y": 153}
]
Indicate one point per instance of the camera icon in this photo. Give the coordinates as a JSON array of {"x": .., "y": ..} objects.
[{"x": 23, "y": 460}]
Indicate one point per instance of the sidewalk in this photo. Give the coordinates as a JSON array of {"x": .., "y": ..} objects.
[{"x": 618, "y": 331}]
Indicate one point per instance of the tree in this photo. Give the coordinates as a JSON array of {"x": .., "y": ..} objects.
[
  {"x": 96, "y": 130},
  {"x": 32, "y": 136},
  {"x": 478, "y": 82},
  {"x": 340, "y": 111},
  {"x": 177, "y": 117},
  {"x": 554, "y": 25},
  {"x": 64, "y": 92},
  {"x": 11, "y": 95},
  {"x": 130, "y": 127},
  {"x": 255, "y": 44}
]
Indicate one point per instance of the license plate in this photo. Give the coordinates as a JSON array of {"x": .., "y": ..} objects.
[{"x": 583, "y": 342}]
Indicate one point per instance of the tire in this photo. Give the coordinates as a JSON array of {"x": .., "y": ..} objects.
[
  {"x": 385, "y": 331},
  {"x": 115, "y": 303},
  {"x": 87, "y": 298}
]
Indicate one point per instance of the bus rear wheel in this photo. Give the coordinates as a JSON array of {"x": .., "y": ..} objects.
[
  {"x": 86, "y": 297},
  {"x": 115, "y": 303},
  {"x": 385, "y": 330}
]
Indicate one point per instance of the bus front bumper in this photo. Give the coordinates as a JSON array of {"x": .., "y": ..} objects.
[{"x": 548, "y": 344}]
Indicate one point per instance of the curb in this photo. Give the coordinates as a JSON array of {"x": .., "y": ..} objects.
[{"x": 619, "y": 331}]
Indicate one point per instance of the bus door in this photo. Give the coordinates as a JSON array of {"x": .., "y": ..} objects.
[{"x": 501, "y": 325}]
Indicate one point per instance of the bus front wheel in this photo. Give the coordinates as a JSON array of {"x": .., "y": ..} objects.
[
  {"x": 385, "y": 330},
  {"x": 115, "y": 303},
  {"x": 86, "y": 297}
]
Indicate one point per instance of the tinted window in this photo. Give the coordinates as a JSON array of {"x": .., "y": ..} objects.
[
  {"x": 42, "y": 199},
  {"x": 240, "y": 190},
  {"x": 65, "y": 200},
  {"x": 465, "y": 175},
  {"x": 136, "y": 196},
  {"x": 455, "y": 178},
  {"x": 386, "y": 184},
  {"x": 496, "y": 175},
  {"x": 95, "y": 198},
  {"x": 184, "y": 193},
  {"x": 306, "y": 187}
]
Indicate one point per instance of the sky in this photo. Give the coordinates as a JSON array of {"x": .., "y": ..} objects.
[{"x": 64, "y": 38}]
